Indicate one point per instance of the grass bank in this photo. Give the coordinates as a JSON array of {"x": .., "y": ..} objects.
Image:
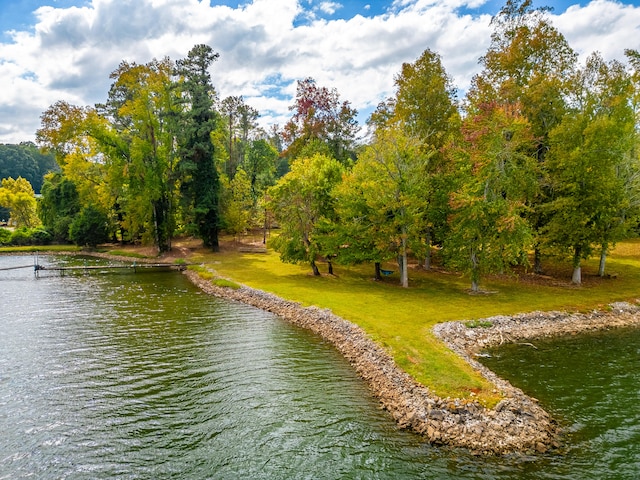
[
  {"x": 40, "y": 248},
  {"x": 401, "y": 319}
]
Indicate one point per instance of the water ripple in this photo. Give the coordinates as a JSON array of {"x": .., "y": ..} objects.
[{"x": 142, "y": 377}]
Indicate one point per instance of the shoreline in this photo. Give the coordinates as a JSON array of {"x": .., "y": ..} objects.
[{"x": 517, "y": 424}]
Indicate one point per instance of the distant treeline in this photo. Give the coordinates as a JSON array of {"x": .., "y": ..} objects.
[{"x": 27, "y": 161}]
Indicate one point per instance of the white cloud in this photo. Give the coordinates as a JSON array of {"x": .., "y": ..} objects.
[
  {"x": 603, "y": 25},
  {"x": 329, "y": 7},
  {"x": 263, "y": 49}
]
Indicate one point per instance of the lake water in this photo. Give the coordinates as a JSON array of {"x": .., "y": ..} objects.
[{"x": 142, "y": 376}]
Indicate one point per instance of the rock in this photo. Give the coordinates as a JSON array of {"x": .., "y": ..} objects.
[{"x": 517, "y": 423}]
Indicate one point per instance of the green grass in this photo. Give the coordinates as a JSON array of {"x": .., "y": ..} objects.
[
  {"x": 223, "y": 282},
  {"x": 40, "y": 248},
  {"x": 125, "y": 253},
  {"x": 206, "y": 274},
  {"x": 401, "y": 319}
]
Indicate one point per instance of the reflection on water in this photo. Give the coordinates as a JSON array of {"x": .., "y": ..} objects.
[{"x": 125, "y": 375}]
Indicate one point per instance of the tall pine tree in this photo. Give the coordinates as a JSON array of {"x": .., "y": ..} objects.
[{"x": 200, "y": 180}]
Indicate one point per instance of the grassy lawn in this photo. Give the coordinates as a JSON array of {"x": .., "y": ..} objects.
[{"x": 401, "y": 319}]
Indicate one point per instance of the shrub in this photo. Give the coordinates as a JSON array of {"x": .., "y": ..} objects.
[
  {"x": 21, "y": 237},
  {"x": 5, "y": 236},
  {"x": 40, "y": 236},
  {"x": 90, "y": 227}
]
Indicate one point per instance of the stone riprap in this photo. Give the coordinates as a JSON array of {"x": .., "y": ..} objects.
[{"x": 516, "y": 424}]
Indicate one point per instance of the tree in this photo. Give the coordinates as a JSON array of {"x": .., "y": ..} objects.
[
  {"x": 58, "y": 206},
  {"x": 18, "y": 196},
  {"x": 138, "y": 144},
  {"x": 301, "y": 201},
  {"x": 527, "y": 65},
  {"x": 90, "y": 227},
  {"x": 589, "y": 163},
  {"x": 319, "y": 115},
  {"x": 361, "y": 234},
  {"x": 237, "y": 206},
  {"x": 425, "y": 106},
  {"x": 260, "y": 167},
  {"x": 67, "y": 131},
  {"x": 497, "y": 177},
  {"x": 383, "y": 200},
  {"x": 239, "y": 122},
  {"x": 200, "y": 180}
]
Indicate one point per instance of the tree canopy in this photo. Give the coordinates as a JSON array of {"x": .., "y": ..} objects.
[{"x": 539, "y": 158}]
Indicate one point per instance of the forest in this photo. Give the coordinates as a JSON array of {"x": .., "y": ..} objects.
[{"x": 539, "y": 159}]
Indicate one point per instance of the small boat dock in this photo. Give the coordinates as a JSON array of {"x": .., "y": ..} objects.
[{"x": 135, "y": 267}]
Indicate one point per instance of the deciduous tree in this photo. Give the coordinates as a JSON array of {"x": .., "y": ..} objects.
[
  {"x": 58, "y": 206},
  {"x": 588, "y": 163},
  {"x": 497, "y": 176},
  {"x": 318, "y": 114},
  {"x": 383, "y": 200},
  {"x": 18, "y": 196},
  {"x": 138, "y": 144},
  {"x": 426, "y": 108},
  {"x": 301, "y": 201},
  {"x": 526, "y": 65}
]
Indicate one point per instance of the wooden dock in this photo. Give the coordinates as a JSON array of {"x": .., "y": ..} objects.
[
  {"x": 135, "y": 267},
  {"x": 16, "y": 268}
]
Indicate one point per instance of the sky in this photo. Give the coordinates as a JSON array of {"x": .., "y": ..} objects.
[{"x": 54, "y": 50}]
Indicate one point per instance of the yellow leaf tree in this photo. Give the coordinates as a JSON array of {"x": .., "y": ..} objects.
[{"x": 18, "y": 196}]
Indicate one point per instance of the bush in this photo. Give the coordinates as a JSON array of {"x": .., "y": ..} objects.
[
  {"x": 90, "y": 227},
  {"x": 40, "y": 236},
  {"x": 21, "y": 237},
  {"x": 5, "y": 236},
  {"x": 25, "y": 236}
]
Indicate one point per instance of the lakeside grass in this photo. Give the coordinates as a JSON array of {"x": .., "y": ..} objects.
[
  {"x": 401, "y": 319},
  {"x": 40, "y": 248}
]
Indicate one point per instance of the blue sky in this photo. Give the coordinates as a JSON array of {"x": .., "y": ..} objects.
[
  {"x": 18, "y": 14},
  {"x": 68, "y": 49}
]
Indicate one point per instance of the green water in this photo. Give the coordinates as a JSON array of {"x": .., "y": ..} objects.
[
  {"x": 141, "y": 376},
  {"x": 591, "y": 383}
]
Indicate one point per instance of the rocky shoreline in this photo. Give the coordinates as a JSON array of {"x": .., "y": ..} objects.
[{"x": 516, "y": 425}]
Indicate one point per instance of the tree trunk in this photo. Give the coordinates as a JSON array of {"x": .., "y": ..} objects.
[
  {"x": 577, "y": 270},
  {"x": 330, "y": 267},
  {"x": 314, "y": 267},
  {"x": 427, "y": 257},
  {"x": 402, "y": 261},
  {"x": 537, "y": 260},
  {"x": 603, "y": 259},
  {"x": 577, "y": 275},
  {"x": 378, "y": 275},
  {"x": 264, "y": 231},
  {"x": 475, "y": 272}
]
